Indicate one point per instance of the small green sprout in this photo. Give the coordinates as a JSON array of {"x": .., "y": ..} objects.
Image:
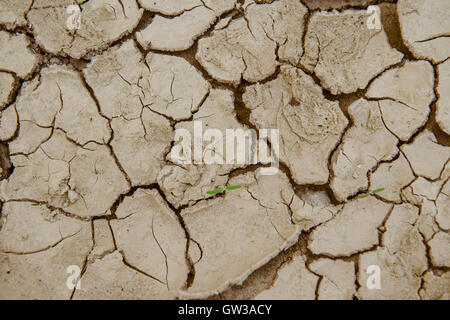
[
  {"x": 232, "y": 187},
  {"x": 39, "y": 204},
  {"x": 370, "y": 193},
  {"x": 215, "y": 191},
  {"x": 219, "y": 190}
]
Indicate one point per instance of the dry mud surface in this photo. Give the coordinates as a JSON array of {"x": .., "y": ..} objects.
[{"x": 87, "y": 123}]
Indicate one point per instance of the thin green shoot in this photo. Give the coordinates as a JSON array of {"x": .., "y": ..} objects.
[{"x": 370, "y": 193}]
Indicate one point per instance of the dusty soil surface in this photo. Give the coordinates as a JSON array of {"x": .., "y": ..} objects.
[{"x": 88, "y": 115}]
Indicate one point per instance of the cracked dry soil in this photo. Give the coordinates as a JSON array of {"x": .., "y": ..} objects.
[{"x": 87, "y": 119}]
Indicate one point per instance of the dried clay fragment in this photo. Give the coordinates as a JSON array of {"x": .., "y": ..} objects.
[
  {"x": 307, "y": 215},
  {"x": 435, "y": 285},
  {"x": 140, "y": 145},
  {"x": 43, "y": 274},
  {"x": 294, "y": 282},
  {"x": 426, "y": 28},
  {"x": 443, "y": 207},
  {"x": 29, "y": 138},
  {"x": 338, "y": 278},
  {"x": 177, "y": 89},
  {"x": 8, "y": 123},
  {"x": 109, "y": 278},
  {"x": 427, "y": 224},
  {"x": 248, "y": 47},
  {"x": 344, "y": 52},
  {"x": 425, "y": 190},
  {"x": 363, "y": 146},
  {"x": 16, "y": 56},
  {"x": 392, "y": 177},
  {"x": 443, "y": 104},
  {"x": 12, "y": 12},
  {"x": 440, "y": 249},
  {"x": 426, "y": 156},
  {"x": 353, "y": 230},
  {"x": 145, "y": 218},
  {"x": 282, "y": 22},
  {"x": 7, "y": 83},
  {"x": 67, "y": 176},
  {"x": 102, "y": 22},
  {"x": 401, "y": 258},
  {"x": 406, "y": 93},
  {"x": 58, "y": 98},
  {"x": 253, "y": 222},
  {"x": 29, "y": 229},
  {"x": 179, "y": 32},
  {"x": 103, "y": 239},
  {"x": 310, "y": 126}
]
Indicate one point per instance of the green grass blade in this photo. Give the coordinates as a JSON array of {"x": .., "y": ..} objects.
[
  {"x": 215, "y": 191},
  {"x": 377, "y": 190},
  {"x": 39, "y": 203},
  {"x": 233, "y": 187},
  {"x": 363, "y": 196}
]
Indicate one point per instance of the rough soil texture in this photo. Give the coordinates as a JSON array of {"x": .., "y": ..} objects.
[{"x": 87, "y": 125}]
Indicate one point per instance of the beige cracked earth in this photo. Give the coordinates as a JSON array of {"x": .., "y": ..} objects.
[{"x": 88, "y": 116}]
